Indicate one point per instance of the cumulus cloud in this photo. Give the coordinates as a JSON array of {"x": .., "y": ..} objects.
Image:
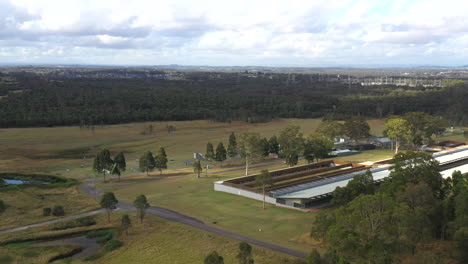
[{"x": 261, "y": 32}]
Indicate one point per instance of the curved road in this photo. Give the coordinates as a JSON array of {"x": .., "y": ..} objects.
[{"x": 90, "y": 189}]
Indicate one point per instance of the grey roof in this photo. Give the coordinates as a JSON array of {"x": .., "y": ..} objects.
[{"x": 327, "y": 186}]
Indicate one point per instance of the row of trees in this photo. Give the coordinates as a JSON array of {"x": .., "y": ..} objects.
[
  {"x": 103, "y": 163},
  {"x": 51, "y": 100},
  {"x": 414, "y": 206}
]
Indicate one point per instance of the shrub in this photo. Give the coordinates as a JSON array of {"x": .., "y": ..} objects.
[
  {"x": 6, "y": 259},
  {"x": 2, "y": 206},
  {"x": 112, "y": 245},
  {"x": 84, "y": 221},
  {"x": 58, "y": 211},
  {"x": 92, "y": 257},
  {"x": 46, "y": 211},
  {"x": 104, "y": 239},
  {"x": 98, "y": 233},
  {"x": 2, "y": 182}
]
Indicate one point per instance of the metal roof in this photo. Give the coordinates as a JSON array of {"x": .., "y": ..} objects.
[{"x": 326, "y": 187}]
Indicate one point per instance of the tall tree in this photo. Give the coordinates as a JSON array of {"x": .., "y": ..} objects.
[
  {"x": 232, "y": 147},
  {"x": 399, "y": 130},
  {"x": 274, "y": 145},
  {"x": 245, "y": 253},
  {"x": 214, "y": 258},
  {"x": 265, "y": 146},
  {"x": 197, "y": 168},
  {"x": 2, "y": 206},
  {"x": 116, "y": 171},
  {"x": 125, "y": 223},
  {"x": 209, "y": 151},
  {"x": 103, "y": 162},
  {"x": 318, "y": 147},
  {"x": 360, "y": 184},
  {"x": 413, "y": 167},
  {"x": 356, "y": 128},
  {"x": 221, "y": 154},
  {"x": 161, "y": 160},
  {"x": 147, "y": 162},
  {"x": 120, "y": 162},
  {"x": 263, "y": 180},
  {"x": 291, "y": 144},
  {"x": 330, "y": 129},
  {"x": 249, "y": 145},
  {"x": 141, "y": 204},
  {"x": 109, "y": 203},
  {"x": 314, "y": 258}
]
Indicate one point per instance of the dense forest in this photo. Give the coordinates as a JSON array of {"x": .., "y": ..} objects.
[{"x": 29, "y": 99}]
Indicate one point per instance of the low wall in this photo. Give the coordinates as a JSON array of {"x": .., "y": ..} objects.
[{"x": 228, "y": 189}]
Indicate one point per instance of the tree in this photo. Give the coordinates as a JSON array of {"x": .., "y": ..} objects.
[
  {"x": 413, "y": 167},
  {"x": 245, "y": 253},
  {"x": 263, "y": 180},
  {"x": 249, "y": 145},
  {"x": 318, "y": 147},
  {"x": 314, "y": 257},
  {"x": 465, "y": 134},
  {"x": 461, "y": 241},
  {"x": 274, "y": 146},
  {"x": 125, "y": 223},
  {"x": 232, "y": 147},
  {"x": 2, "y": 182},
  {"x": 103, "y": 162},
  {"x": 360, "y": 184},
  {"x": 356, "y": 128},
  {"x": 220, "y": 155},
  {"x": 141, "y": 204},
  {"x": 291, "y": 144},
  {"x": 147, "y": 162},
  {"x": 2, "y": 206},
  {"x": 330, "y": 129},
  {"x": 399, "y": 130},
  {"x": 120, "y": 162},
  {"x": 116, "y": 171},
  {"x": 435, "y": 126},
  {"x": 161, "y": 160},
  {"x": 197, "y": 168},
  {"x": 58, "y": 211},
  {"x": 214, "y": 258},
  {"x": 209, "y": 151},
  {"x": 265, "y": 147},
  {"x": 109, "y": 203}
]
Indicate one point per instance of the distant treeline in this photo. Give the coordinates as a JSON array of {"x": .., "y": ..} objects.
[{"x": 48, "y": 100}]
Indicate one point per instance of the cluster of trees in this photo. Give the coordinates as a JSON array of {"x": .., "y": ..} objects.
[
  {"x": 109, "y": 202},
  {"x": 148, "y": 161},
  {"x": 414, "y": 206},
  {"x": 414, "y": 128},
  {"x": 103, "y": 163},
  {"x": 244, "y": 256},
  {"x": 51, "y": 100}
]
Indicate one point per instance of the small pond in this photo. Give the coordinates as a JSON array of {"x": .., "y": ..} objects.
[{"x": 7, "y": 181}]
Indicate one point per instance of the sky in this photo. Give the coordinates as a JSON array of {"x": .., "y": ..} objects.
[{"x": 307, "y": 33}]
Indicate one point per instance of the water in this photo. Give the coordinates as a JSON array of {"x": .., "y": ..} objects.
[{"x": 23, "y": 181}]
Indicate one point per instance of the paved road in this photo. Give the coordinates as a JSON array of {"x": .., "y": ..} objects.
[
  {"x": 193, "y": 222},
  {"x": 89, "y": 188}
]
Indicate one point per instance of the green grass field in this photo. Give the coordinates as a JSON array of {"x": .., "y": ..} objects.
[
  {"x": 69, "y": 151},
  {"x": 153, "y": 241},
  {"x": 24, "y": 206}
]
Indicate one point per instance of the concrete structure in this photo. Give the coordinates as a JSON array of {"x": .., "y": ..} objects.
[{"x": 309, "y": 185}]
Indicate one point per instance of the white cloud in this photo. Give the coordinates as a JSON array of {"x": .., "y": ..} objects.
[{"x": 294, "y": 32}]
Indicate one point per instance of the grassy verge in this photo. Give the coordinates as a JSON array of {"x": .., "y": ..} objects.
[{"x": 25, "y": 205}]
